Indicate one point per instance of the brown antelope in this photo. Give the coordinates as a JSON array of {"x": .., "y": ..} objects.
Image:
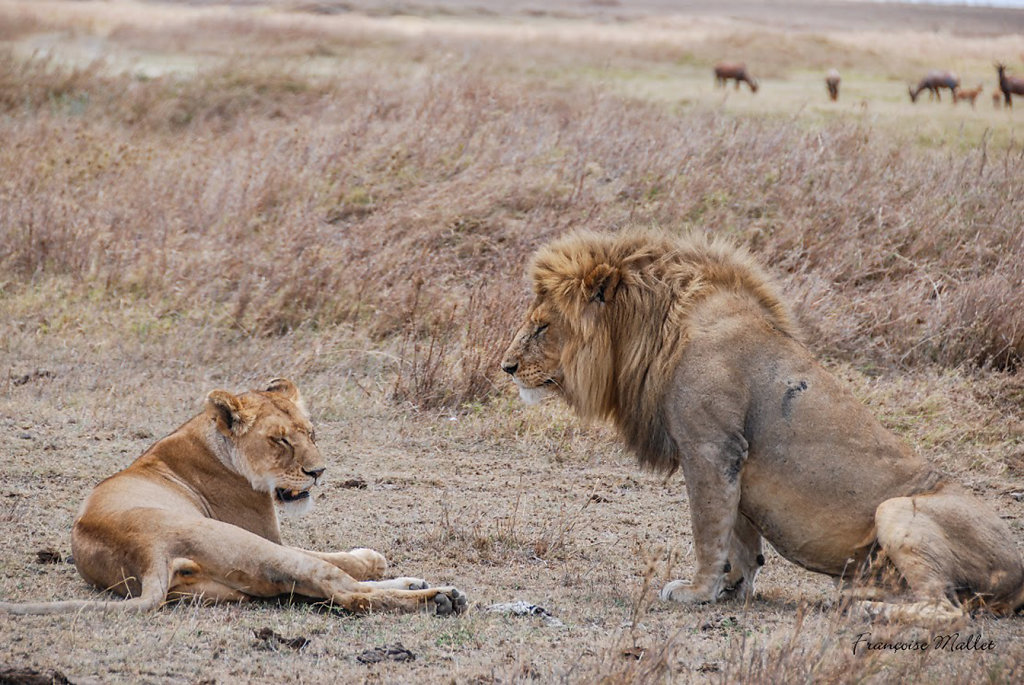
[
  {"x": 932, "y": 82},
  {"x": 1009, "y": 85},
  {"x": 969, "y": 94},
  {"x": 832, "y": 83},
  {"x": 734, "y": 70}
]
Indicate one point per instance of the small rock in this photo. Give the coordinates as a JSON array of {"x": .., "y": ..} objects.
[
  {"x": 268, "y": 639},
  {"x": 28, "y": 676},
  {"x": 394, "y": 652},
  {"x": 48, "y": 556},
  {"x": 521, "y": 608},
  {"x": 634, "y": 653}
]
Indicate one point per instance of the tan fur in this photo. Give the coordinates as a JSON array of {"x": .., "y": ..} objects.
[
  {"x": 195, "y": 517},
  {"x": 685, "y": 345}
]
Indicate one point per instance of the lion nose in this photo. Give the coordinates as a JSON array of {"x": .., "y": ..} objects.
[
  {"x": 509, "y": 368},
  {"x": 315, "y": 473}
]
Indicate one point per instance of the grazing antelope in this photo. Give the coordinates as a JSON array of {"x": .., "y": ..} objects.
[
  {"x": 969, "y": 94},
  {"x": 734, "y": 70},
  {"x": 832, "y": 82},
  {"x": 1010, "y": 85},
  {"x": 932, "y": 82}
]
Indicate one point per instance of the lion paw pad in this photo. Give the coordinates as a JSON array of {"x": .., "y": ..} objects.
[{"x": 449, "y": 601}]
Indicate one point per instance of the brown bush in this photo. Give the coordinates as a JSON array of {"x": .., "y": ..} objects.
[{"x": 273, "y": 200}]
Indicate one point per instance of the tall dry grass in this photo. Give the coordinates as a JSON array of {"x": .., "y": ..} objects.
[{"x": 405, "y": 202}]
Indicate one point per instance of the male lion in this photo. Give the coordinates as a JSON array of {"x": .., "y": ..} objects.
[
  {"x": 194, "y": 516},
  {"x": 687, "y": 348}
]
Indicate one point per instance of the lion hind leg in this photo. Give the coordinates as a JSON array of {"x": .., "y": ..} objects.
[
  {"x": 947, "y": 542},
  {"x": 189, "y": 582},
  {"x": 914, "y": 542}
]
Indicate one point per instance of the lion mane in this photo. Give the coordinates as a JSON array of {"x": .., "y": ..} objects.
[{"x": 619, "y": 367}]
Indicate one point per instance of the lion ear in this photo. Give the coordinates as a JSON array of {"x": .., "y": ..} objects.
[
  {"x": 284, "y": 387},
  {"x": 288, "y": 390},
  {"x": 228, "y": 412},
  {"x": 601, "y": 283}
]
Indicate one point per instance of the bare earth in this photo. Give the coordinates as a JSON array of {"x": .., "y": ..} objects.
[{"x": 504, "y": 501}]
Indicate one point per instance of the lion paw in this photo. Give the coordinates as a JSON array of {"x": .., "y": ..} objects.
[
  {"x": 739, "y": 590},
  {"x": 373, "y": 562},
  {"x": 449, "y": 600},
  {"x": 685, "y": 593},
  {"x": 402, "y": 583}
]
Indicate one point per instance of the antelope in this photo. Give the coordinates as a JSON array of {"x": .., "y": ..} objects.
[
  {"x": 734, "y": 70},
  {"x": 1010, "y": 85},
  {"x": 832, "y": 82},
  {"x": 932, "y": 82},
  {"x": 969, "y": 94}
]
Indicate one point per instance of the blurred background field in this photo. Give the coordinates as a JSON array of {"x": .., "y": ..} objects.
[{"x": 199, "y": 195}]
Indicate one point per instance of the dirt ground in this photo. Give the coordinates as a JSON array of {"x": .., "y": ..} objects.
[
  {"x": 505, "y": 501},
  {"x": 512, "y": 503}
]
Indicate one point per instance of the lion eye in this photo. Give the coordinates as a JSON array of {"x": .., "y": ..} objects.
[
  {"x": 283, "y": 441},
  {"x": 540, "y": 329}
]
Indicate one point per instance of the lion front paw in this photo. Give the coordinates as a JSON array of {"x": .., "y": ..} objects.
[
  {"x": 402, "y": 583},
  {"x": 374, "y": 563},
  {"x": 449, "y": 600},
  {"x": 686, "y": 593}
]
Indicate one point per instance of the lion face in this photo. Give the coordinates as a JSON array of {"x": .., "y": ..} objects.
[
  {"x": 272, "y": 442},
  {"x": 564, "y": 346},
  {"x": 534, "y": 357}
]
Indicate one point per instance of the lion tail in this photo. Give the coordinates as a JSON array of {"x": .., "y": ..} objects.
[{"x": 154, "y": 592}]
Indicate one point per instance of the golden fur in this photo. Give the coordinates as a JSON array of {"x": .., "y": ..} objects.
[
  {"x": 686, "y": 346},
  {"x": 655, "y": 279},
  {"x": 195, "y": 517}
]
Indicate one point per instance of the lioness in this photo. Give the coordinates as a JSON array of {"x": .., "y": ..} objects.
[
  {"x": 195, "y": 516},
  {"x": 687, "y": 348}
]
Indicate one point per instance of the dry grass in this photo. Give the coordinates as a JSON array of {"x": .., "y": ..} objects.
[
  {"x": 290, "y": 182},
  {"x": 353, "y": 206}
]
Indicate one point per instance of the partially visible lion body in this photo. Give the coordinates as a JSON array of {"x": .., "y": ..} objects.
[
  {"x": 687, "y": 348},
  {"x": 195, "y": 516}
]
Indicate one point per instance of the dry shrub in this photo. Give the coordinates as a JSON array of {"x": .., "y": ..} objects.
[
  {"x": 269, "y": 200},
  {"x": 455, "y": 360},
  {"x": 39, "y": 83},
  {"x": 984, "y": 322}
]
